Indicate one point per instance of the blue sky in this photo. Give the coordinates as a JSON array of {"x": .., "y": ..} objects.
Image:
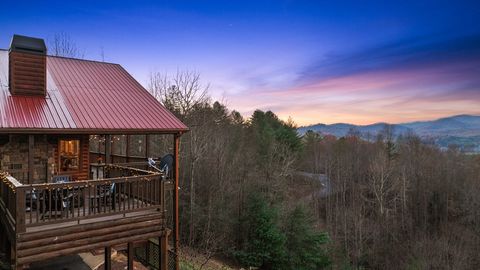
[{"x": 316, "y": 61}]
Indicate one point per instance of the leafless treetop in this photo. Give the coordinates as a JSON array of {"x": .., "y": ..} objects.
[{"x": 63, "y": 45}]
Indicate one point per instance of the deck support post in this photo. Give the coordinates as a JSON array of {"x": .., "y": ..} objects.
[
  {"x": 108, "y": 258},
  {"x": 13, "y": 259},
  {"x": 176, "y": 218},
  {"x": 3, "y": 240},
  {"x": 11, "y": 253},
  {"x": 31, "y": 145},
  {"x": 130, "y": 256},
  {"x": 163, "y": 252}
]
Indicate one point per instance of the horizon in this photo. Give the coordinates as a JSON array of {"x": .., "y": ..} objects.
[
  {"x": 390, "y": 123},
  {"x": 314, "y": 62}
]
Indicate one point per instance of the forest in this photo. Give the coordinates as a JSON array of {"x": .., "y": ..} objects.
[{"x": 255, "y": 192}]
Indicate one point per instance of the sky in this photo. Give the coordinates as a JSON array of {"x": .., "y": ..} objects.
[{"x": 357, "y": 62}]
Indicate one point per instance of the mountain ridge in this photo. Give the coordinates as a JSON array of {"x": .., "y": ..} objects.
[{"x": 462, "y": 130}]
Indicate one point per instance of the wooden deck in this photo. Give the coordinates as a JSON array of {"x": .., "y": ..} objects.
[{"x": 43, "y": 221}]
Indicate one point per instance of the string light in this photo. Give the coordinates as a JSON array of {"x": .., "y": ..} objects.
[{"x": 4, "y": 177}]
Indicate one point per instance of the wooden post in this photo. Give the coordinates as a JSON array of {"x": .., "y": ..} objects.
[
  {"x": 108, "y": 149},
  {"x": 47, "y": 167},
  {"x": 3, "y": 238},
  {"x": 163, "y": 252},
  {"x": 13, "y": 261},
  {"x": 108, "y": 258},
  {"x": 31, "y": 145},
  {"x": 128, "y": 148},
  {"x": 176, "y": 240},
  {"x": 147, "y": 146},
  {"x": 130, "y": 256},
  {"x": 20, "y": 202}
]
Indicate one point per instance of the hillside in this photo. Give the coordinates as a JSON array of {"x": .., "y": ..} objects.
[{"x": 461, "y": 130}]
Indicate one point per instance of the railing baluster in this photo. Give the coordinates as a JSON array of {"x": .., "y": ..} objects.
[
  {"x": 96, "y": 208},
  {"x": 104, "y": 195},
  {"x": 148, "y": 192},
  {"x": 62, "y": 210},
  {"x": 114, "y": 206},
  {"x": 37, "y": 206},
  {"x": 50, "y": 192},
  {"x": 124, "y": 185},
  {"x": 138, "y": 193},
  {"x": 129, "y": 193},
  {"x": 78, "y": 201},
  {"x": 150, "y": 195},
  {"x": 31, "y": 205},
  {"x": 90, "y": 202},
  {"x": 142, "y": 191},
  {"x": 84, "y": 199}
]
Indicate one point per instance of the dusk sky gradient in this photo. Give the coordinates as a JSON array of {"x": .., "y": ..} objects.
[{"x": 314, "y": 61}]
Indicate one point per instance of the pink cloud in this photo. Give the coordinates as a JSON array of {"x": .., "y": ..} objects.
[{"x": 382, "y": 96}]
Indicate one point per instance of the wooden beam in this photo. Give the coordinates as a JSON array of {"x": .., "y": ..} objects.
[
  {"x": 20, "y": 202},
  {"x": 128, "y": 148},
  {"x": 176, "y": 236},
  {"x": 108, "y": 258},
  {"x": 94, "y": 226},
  {"x": 31, "y": 145},
  {"x": 73, "y": 250},
  {"x": 13, "y": 257},
  {"x": 47, "y": 167},
  {"x": 87, "y": 241},
  {"x": 163, "y": 252},
  {"x": 91, "y": 234},
  {"x": 130, "y": 255},
  {"x": 147, "y": 146}
]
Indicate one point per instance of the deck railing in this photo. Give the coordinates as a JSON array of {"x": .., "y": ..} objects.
[
  {"x": 10, "y": 203},
  {"x": 123, "y": 190}
]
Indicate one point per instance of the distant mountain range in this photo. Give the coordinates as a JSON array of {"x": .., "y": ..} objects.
[{"x": 461, "y": 130}]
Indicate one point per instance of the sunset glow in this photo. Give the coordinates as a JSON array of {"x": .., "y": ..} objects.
[{"x": 317, "y": 62}]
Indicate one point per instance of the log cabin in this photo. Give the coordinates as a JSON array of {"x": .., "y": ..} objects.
[{"x": 74, "y": 140}]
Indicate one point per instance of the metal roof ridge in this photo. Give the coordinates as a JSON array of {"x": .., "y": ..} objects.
[{"x": 80, "y": 59}]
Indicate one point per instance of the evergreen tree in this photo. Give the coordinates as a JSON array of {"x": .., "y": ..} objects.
[
  {"x": 306, "y": 247},
  {"x": 264, "y": 244}
]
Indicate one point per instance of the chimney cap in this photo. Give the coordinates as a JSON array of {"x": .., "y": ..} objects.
[{"x": 28, "y": 44}]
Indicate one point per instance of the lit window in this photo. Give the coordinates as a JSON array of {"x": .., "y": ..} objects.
[{"x": 69, "y": 155}]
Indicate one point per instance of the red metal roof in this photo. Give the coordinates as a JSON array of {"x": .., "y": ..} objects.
[{"x": 84, "y": 96}]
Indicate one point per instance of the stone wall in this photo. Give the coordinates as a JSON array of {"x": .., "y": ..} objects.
[{"x": 14, "y": 157}]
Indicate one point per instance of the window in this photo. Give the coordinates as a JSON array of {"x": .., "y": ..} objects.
[{"x": 69, "y": 152}]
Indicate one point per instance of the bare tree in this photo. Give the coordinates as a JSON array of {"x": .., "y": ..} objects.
[
  {"x": 183, "y": 93},
  {"x": 63, "y": 45},
  {"x": 180, "y": 92}
]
